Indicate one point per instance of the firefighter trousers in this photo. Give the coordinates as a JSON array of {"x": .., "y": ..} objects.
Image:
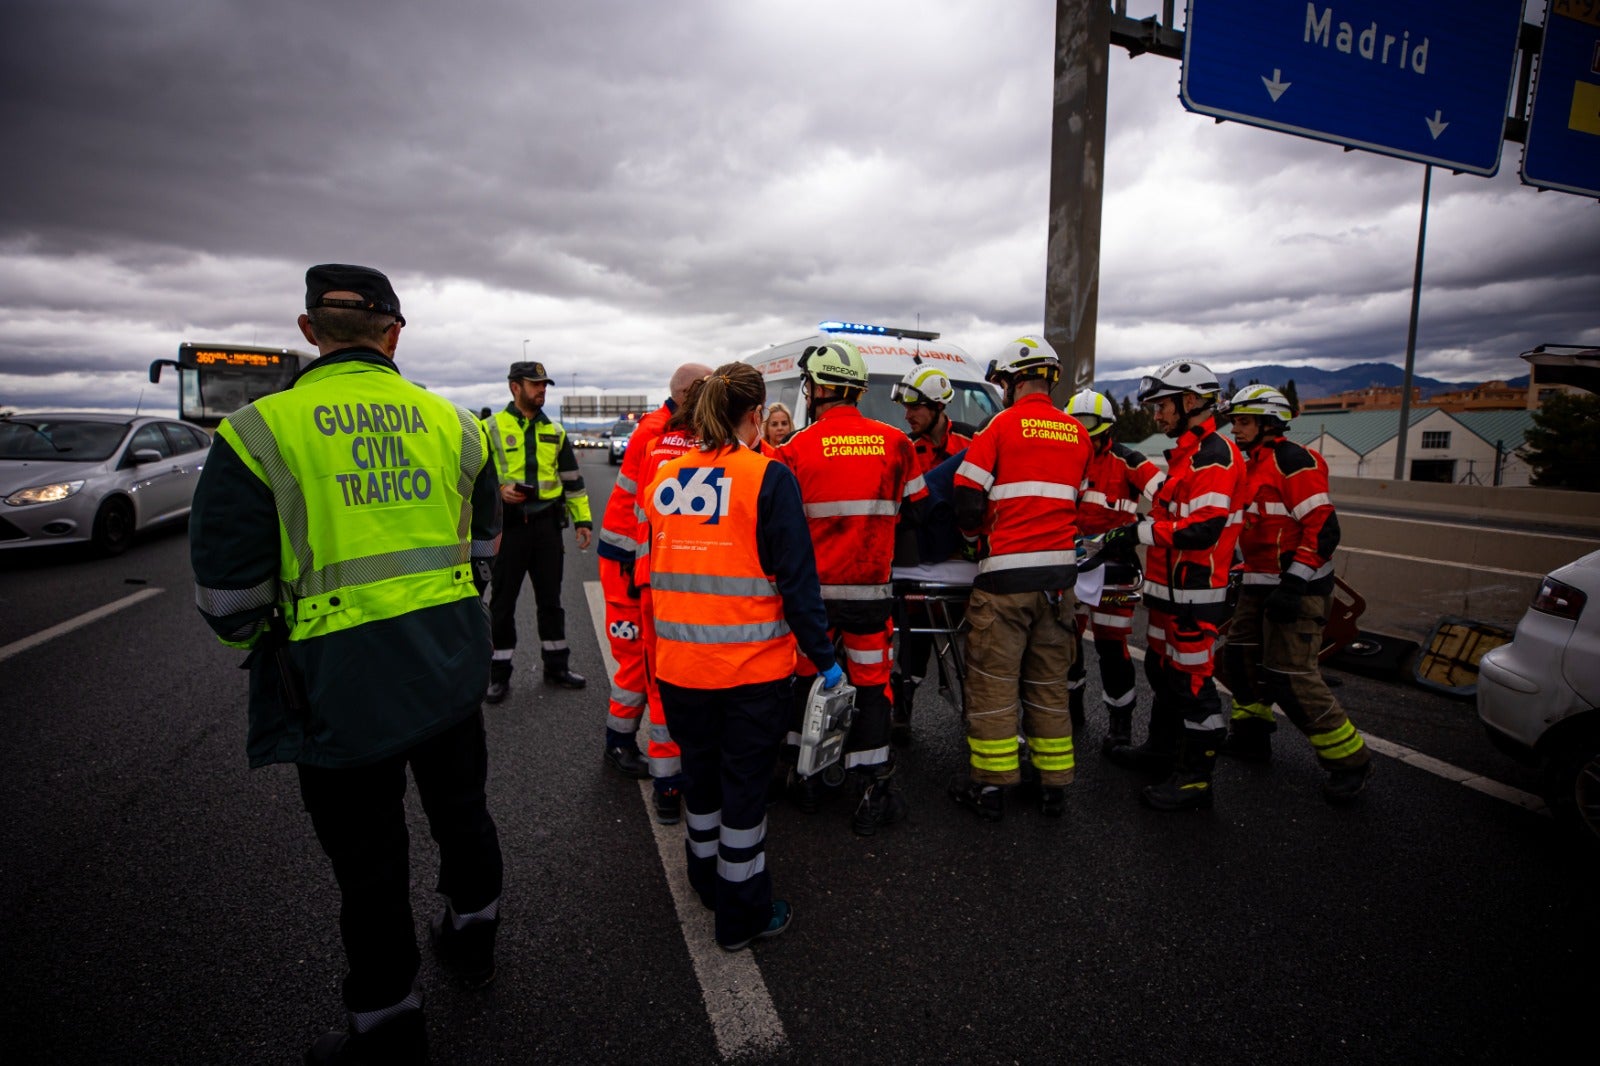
[
  {"x": 869, "y": 666},
  {"x": 1111, "y": 627},
  {"x": 1020, "y": 650},
  {"x": 1185, "y": 711},
  {"x": 1269, "y": 663},
  {"x": 730, "y": 739}
]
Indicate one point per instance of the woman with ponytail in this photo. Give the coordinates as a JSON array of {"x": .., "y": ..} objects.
[{"x": 733, "y": 589}]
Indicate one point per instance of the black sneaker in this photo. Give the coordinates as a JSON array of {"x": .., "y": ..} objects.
[
  {"x": 669, "y": 806},
  {"x": 564, "y": 678},
  {"x": 628, "y": 761},
  {"x": 1052, "y": 802},
  {"x": 401, "y": 1040},
  {"x": 782, "y": 915},
  {"x": 986, "y": 801},
  {"x": 467, "y": 954},
  {"x": 498, "y": 691},
  {"x": 1345, "y": 785}
]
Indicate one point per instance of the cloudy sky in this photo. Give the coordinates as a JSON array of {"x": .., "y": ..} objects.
[{"x": 626, "y": 185}]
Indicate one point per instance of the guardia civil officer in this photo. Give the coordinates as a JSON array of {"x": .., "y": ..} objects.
[
  {"x": 341, "y": 534},
  {"x": 733, "y": 588},
  {"x": 542, "y": 490}
]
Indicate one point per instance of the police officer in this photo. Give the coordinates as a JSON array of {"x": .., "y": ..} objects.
[
  {"x": 1191, "y": 532},
  {"x": 1290, "y": 533},
  {"x": 341, "y": 533},
  {"x": 542, "y": 490},
  {"x": 733, "y": 587},
  {"x": 1015, "y": 496},
  {"x": 1117, "y": 477},
  {"x": 855, "y": 474}
]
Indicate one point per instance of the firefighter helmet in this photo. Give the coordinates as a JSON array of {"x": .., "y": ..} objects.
[
  {"x": 1263, "y": 401},
  {"x": 1097, "y": 412},
  {"x": 1026, "y": 357},
  {"x": 1178, "y": 377},
  {"x": 837, "y": 364},
  {"x": 923, "y": 384}
]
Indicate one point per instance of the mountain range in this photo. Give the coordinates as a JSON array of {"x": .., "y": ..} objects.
[{"x": 1311, "y": 382}]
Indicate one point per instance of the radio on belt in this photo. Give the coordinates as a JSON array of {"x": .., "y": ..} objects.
[{"x": 828, "y": 715}]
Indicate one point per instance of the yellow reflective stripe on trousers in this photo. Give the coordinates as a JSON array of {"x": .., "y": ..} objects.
[
  {"x": 1251, "y": 710},
  {"x": 1339, "y": 743},
  {"x": 997, "y": 755},
  {"x": 1051, "y": 753}
]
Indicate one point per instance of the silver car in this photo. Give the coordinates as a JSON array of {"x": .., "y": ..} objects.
[{"x": 68, "y": 478}]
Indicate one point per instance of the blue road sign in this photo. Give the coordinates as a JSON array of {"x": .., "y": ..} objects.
[
  {"x": 1563, "y": 149},
  {"x": 1417, "y": 79}
]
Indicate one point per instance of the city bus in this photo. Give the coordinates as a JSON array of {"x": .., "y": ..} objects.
[{"x": 215, "y": 380}]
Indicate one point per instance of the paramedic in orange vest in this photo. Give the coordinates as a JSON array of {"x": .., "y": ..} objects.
[
  {"x": 618, "y": 549},
  {"x": 1290, "y": 533},
  {"x": 1191, "y": 532},
  {"x": 855, "y": 473},
  {"x": 1116, "y": 478},
  {"x": 733, "y": 588},
  {"x": 1016, "y": 495}
]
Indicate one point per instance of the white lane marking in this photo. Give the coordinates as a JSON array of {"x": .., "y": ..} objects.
[
  {"x": 1475, "y": 567},
  {"x": 1438, "y": 767},
  {"x": 19, "y": 646},
  {"x": 743, "y": 1018}
]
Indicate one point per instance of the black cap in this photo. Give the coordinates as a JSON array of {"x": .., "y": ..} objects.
[
  {"x": 374, "y": 290},
  {"x": 528, "y": 372}
]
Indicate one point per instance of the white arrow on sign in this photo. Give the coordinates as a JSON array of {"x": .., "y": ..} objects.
[
  {"x": 1277, "y": 85},
  {"x": 1436, "y": 124}
]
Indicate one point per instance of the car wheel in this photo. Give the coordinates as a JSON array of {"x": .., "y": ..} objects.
[
  {"x": 113, "y": 526},
  {"x": 1573, "y": 792}
]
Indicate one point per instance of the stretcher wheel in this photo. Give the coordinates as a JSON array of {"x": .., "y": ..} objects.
[{"x": 833, "y": 775}]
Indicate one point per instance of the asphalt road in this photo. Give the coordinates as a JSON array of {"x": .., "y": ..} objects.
[{"x": 166, "y": 904}]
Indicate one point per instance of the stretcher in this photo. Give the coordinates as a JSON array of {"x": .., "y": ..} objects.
[{"x": 932, "y": 600}]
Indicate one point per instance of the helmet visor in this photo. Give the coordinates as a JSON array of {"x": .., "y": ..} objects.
[
  {"x": 1092, "y": 422},
  {"x": 905, "y": 394}
]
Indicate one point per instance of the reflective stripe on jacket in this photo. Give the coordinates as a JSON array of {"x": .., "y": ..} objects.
[
  {"x": 1194, "y": 524},
  {"x": 1017, "y": 492},
  {"x": 1289, "y": 523},
  {"x": 719, "y": 617},
  {"x": 1112, "y": 485},
  {"x": 854, "y": 474}
]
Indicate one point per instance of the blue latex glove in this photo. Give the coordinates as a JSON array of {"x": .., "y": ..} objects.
[{"x": 832, "y": 676}]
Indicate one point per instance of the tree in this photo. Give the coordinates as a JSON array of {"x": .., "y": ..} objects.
[
  {"x": 1564, "y": 442},
  {"x": 1134, "y": 423},
  {"x": 1291, "y": 395}
]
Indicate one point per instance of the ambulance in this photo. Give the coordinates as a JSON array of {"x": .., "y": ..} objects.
[{"x": 889, "y": 351}]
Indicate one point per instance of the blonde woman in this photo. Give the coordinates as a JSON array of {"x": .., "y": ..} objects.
[{"x": 779, "y": 425}]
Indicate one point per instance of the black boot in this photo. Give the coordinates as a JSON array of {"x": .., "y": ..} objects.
[
  {"x": 1119, "y": 729},
  {"x": 1183, "y": 791},
  {"x": 1345, "y": 784},
  {"x": 880, "y": 804},
  {"x": 399, "y": 1041},
  {"x": 622, "y": 752},
  {"x": 1148, "y": 757},
  {"x": 986, "y": 801},
  {"x": 467, "y": 953},
  {"x": 1250, "y": 739}
]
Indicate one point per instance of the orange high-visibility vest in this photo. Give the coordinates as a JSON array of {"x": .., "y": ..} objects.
[{"x": 718, "y": 615}]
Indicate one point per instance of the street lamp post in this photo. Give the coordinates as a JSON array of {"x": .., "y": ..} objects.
[{"x": 524, "y": 351}]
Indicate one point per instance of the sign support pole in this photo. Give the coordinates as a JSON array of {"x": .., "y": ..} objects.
[{"x": 1411, "y": 333}]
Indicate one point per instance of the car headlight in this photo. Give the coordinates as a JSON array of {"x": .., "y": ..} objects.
[{"x": 44, "y": 493}]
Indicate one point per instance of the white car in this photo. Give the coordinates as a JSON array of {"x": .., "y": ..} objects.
[
  {"x": 618, "y": 444},
  {"x": 74, "y": 478},
  {"x": 1539, "y": 696}
]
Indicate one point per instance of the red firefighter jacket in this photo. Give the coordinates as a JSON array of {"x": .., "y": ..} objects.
[
  {"x": 1016, "y": 493},
  {"x": 656, "y": 453},
  {"x": 619, "y": 526},
  {"x": 1290, "y": 527},
  {"x": 1194, "y": 525},
  {"x": 855, "y": 473},
  {"x": 1112, "y": 485}
]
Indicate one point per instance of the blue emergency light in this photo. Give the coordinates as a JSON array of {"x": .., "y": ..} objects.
[{"x": 880, "y": 331}]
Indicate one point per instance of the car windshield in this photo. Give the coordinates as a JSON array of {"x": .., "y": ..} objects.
[
  {"x": 623, "y": 429},
  {"x": 973, "y": 403},
  {"x": 63, "y": 440}
]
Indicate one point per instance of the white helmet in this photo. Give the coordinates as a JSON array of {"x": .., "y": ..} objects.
[
  {"x": 837, "y": 364},
  {"x": 1097, "y": 412},
  {"x": 1263, "y": 401},
  {"x": 1028, "y": 356},
  {"x": 923, "y": 384},
  {"x": 1178, "y": 377}
]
